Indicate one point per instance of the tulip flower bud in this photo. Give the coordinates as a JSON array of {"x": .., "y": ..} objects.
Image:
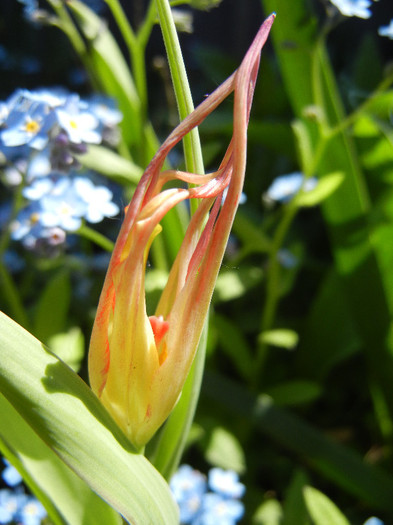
[{"x": 138, "y": 364}]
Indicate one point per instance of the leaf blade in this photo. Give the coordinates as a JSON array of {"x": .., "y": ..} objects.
[{"x": 65, "y": 413}]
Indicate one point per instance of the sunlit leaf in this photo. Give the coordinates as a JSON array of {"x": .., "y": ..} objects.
[
  {"x": 326, "y": 186},
  {"x": 322, "y": 510},
  {"x": 68, "y": 417}
]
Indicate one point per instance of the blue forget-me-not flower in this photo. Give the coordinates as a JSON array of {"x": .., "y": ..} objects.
[
  {"x": 373, "y": 521},
  {"x": 15, "y": 505},
  {"x": 386, "y": 30},
  {"x": 359, "y": 8},
  {"x": 215, "y": 501}
]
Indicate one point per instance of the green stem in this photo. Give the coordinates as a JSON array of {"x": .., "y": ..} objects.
[
  {"x": 350, "y": 119},
  {"x": 122, "y": 22},
  {"x": 191, "y": 142},
  {"x": 273, "y": 287},
  {"x": 96, "y": 237}
]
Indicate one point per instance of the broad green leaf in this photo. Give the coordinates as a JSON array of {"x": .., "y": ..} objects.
[
  {"x": 109, "y": 163},
  {"x": 69, "y": 418},
  {"x": 69, "y": 347},
  {"x": 66, "y": 497},
  {"x": 322, "y": 510},
  {"x": 280, "y": 337},
  {"x": 52, "y": 308},
  {"x": 327, "y": 185},
  {"x": 268, "y": 513},
  {"x": 294, "y": 392},
  {"x": 225, "y": 451}
]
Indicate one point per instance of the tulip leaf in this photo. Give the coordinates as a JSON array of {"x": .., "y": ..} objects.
[
  {"x": 322, "y": 510},
  {"x": 68, "y": 417},
  {"x": 66, "y": 497}
]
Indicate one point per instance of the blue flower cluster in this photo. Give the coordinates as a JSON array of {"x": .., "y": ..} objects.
[
  {"x": 361, "y": 9},
  {"x": 41, "y": 134},
  {"x": 15, "y": 505},
  {"x": 215, "y": 501}
]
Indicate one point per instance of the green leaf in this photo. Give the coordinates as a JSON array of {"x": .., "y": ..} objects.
[
  {"x": 330, "y": 328},
  {"x": 234, "y": 344},
  {"x": 225, "y": 451},
  {"x": 326, "y": 186},
  {"x": 232, "y": 284},
  {"x": 111, "y": 68},
  {"x": 281, "y": 337},
  {"x": 303, "y": 142},
  {"x": 250, "y": 234},
  {"x": 69, "y": 418},
  {"x": 52, "y": 308},
  {"x": 381, "y": 105},
  {"x": 295, "y": 512},
  {"x": 66, "y": 497},
  {"x": 321, "y": 509},
  {"x": 268, "y": 513},
  {"x": 69, "y": 347},
  {"x": 294, "y": 392},
  {"x": 109, "y": 163}
]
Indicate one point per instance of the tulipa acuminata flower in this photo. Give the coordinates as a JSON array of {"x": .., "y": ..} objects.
[{"x": 138, "y": 364}]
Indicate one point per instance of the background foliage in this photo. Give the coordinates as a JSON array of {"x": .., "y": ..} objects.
[{"x": 297, "y": 389}]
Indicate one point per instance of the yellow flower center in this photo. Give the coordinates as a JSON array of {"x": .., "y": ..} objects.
[
  {"x": 34, "y": 218},
  {"x": 32, "y": 126}
]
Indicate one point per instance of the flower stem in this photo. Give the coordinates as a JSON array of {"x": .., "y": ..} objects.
[
  {"x": 96, "y": 237},
  {"x": 191, "y": 142}
]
